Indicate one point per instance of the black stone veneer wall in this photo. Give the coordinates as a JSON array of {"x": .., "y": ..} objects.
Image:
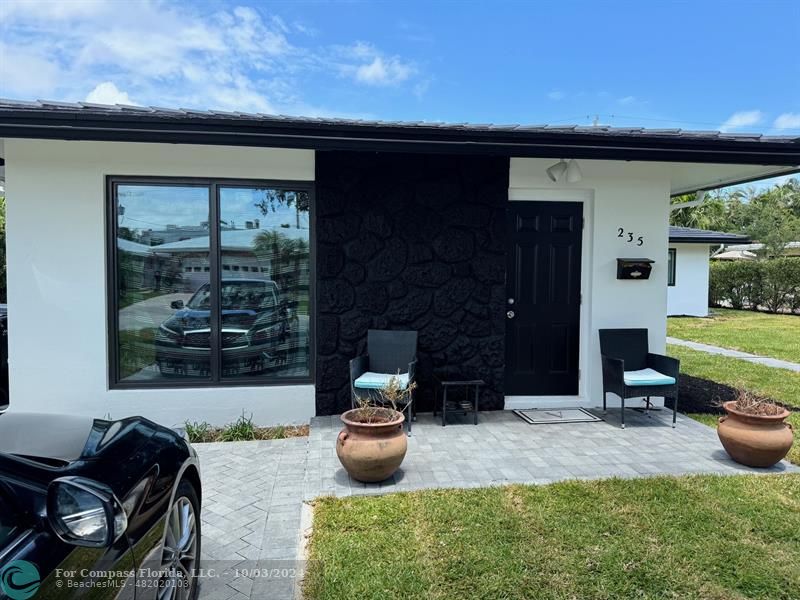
[{"x": 411, "y": 242}]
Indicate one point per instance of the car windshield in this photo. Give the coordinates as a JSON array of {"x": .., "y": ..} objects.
[
  {"x": 201, "y": 299},
  {"x": 238, "y": 295}
]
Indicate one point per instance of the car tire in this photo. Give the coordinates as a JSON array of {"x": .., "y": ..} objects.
[{"x": 186, "y": 492}]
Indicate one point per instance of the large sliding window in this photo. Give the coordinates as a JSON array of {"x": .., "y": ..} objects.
[{"x": 209, "y": 282}]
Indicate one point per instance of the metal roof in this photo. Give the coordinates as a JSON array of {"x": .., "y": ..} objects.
[
  {"x": 703, "y": 236},
  {"x": 759, "y": 246},
  {"x": 83, "y": 120}
]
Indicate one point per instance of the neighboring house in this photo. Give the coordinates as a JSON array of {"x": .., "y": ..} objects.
[
  {"x": 687, "y": 268},
  {"x": 791, "y": 249},
  {"x": 237, "y": 258},
  {"x": 734, "y": 255},
  {"x": 502, "y": 257}
]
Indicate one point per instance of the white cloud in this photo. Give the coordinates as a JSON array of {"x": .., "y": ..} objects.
[
  {"x": 556, "y": 95},
  {"x": 627, "y": 100},
  {"x": 787, "y": 121},
  {"x": 305, "y": 29},
  {"x": 360, "y": 50},
  {"x": 366, "y": 64},
  {"x": 108, "y": 93},
  {"x": 383, "y": 71},
  {"x": 185, "y": 55},
  {"x": 50, "y": 10},
  {"x": 743, "y": 118},
  {"x": 27, "y": 71}
]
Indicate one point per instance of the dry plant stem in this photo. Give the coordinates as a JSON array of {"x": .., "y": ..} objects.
[
  {"x": 750, "y": 404},
  {"x": 392, "y": 395}
]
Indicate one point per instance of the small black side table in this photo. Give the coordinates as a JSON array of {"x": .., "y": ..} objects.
[{"x": 466, "y": 405}]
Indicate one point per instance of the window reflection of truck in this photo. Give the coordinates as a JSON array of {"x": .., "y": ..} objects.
[{"x": 258, "y": 330}]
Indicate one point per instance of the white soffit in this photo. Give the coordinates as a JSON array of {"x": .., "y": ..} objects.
[{"x": 690, "y": 177}]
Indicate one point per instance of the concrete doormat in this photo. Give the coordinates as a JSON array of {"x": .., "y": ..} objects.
[{"x": 546, "y": 416}]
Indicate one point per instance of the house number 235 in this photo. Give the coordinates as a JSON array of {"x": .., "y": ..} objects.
[{"x": 628, "y": 236}]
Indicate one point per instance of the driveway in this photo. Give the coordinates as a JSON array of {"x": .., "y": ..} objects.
[{"x": 150, "y": 313}]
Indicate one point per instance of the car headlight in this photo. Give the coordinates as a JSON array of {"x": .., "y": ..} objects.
[{"x": 165, "y": 334}]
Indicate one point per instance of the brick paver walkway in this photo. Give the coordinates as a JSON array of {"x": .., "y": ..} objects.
[
  {"x": 252, "y": 501},
  {"x": 767, "y": 361},
  {"x": 253, "y": 492}
]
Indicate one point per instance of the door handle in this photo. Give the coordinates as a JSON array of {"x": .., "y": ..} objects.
[{"x": 510, "y": 314}]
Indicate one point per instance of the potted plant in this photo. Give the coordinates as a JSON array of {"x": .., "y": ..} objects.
[
  {"x": 372, "y": 444},
  {"x": 753, "y": 432}
]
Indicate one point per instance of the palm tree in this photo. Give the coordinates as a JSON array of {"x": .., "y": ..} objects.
[
  {"x": 287, "y": 256},
  {"x": 709, "y": 215}
]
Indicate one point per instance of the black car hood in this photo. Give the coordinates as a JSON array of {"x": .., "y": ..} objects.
[
  {"x": 58, "y": 437},
  {"x": 62, "y": 441}
]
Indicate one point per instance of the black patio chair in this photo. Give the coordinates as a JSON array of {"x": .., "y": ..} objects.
[
  {"x": 389, "y": 353},
  {"x": 630, "y": 370}
]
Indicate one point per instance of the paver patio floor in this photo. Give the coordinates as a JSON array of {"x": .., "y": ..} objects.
[{"x": 254, "y": 491}]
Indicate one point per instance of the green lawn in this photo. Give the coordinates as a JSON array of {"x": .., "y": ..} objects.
[
  {"x": 764, "y": 334},
  {"x": 136, "y": 351},
  {"x": 701, "y": 537},
  {"x": 779, "y": 384}
]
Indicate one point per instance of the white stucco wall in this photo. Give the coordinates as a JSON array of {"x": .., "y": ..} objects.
[
  {"x": 56, "y": 279},
  {"x": 629, "y": 195},
  {"x": 56, "y": 211},
  {"x": 689, "y": 295}
]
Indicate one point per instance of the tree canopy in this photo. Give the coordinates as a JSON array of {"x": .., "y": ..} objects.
[{"x": 770, "y": 216}]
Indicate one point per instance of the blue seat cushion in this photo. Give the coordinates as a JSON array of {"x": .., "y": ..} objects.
[
  {"x": 647, "y": 377},
  {"x": 378, "y": 381}
]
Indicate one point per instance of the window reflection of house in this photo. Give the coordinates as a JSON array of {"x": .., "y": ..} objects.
[
  {"x": 173, "y": 233},
  {"x": 246, "y": 253},
  {"x": 137, "y": 265}
]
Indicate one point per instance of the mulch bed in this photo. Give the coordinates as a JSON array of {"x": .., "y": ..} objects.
[{"x": 697, "y": 395}]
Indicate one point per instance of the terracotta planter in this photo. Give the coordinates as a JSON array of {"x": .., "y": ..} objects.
[
  {"x": 754, "y": 440},
  {"x": 371, "y": 452}
]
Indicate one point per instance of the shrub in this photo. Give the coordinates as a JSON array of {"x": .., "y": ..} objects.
[
  {"x": 737, "y": 282},
  {"x": 751, "y": 274},
  {"x": 716, "y": 284},
  {"x": 199, "y": 431},
  {"x": 241, "y": 430},
  {"x": 773, "y": 284}
]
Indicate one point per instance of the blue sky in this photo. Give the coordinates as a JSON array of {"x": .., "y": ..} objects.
[{"x": 700, "y": 65}]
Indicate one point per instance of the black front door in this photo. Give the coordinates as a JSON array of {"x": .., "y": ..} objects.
[{"x": 544, "y": 295}]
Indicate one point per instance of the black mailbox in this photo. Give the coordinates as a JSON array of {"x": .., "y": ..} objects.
[{"x": 634, "y": 268}]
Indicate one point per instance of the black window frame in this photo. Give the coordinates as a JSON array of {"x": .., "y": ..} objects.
[
  {"x": 213, "y": 184},
  {"x": 672, "y": 257}
]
